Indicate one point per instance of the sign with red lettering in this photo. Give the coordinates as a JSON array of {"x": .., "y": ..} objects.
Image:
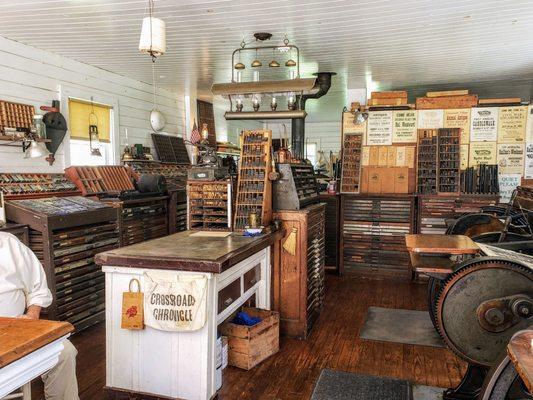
[{"x": 175, "y": 301}]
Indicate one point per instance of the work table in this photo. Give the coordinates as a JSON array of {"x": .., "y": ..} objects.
[
  {"x": 168, "y": 362},
  {"x": 188, "y": 251},
  {"x": 28, "y": 348}
]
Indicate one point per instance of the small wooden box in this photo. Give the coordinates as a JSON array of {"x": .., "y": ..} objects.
[{"x": 249, "y": 345}]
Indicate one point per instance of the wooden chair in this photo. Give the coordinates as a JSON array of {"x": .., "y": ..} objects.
[{"x": 24, "y": 393}]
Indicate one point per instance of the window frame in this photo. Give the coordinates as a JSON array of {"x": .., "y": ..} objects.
[{"x": 67, "y": 93}]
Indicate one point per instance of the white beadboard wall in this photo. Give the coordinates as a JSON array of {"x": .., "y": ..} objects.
[
  {"x": 327, "y": 135},
  {"x": 32, "y": 76}
]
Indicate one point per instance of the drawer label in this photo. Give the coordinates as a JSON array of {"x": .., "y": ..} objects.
[{"x": 175, "y": 302}]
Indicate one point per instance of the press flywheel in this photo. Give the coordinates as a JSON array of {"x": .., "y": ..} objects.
[{"x": 481, "y": 305}]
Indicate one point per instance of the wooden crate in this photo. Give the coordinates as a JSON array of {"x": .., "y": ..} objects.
[
  {"x": 249, "y": 345},
  {"x": 428, "y": 103}
]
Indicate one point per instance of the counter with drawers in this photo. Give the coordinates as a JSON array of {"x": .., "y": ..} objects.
[{"x": 180, "y": 364}]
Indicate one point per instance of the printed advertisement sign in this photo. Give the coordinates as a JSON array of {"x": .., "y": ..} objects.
[
  {"x": 459, "y": 118},
  {"x": 510, "y": 158},
  {"x": 404, "y": 126},
  {"x": 512, "y": 124},
  {"x": 430, "y": 119},
  {"x": 379, "y": 128},
  {"x": 484, "y": 124},
  {"x": 482, "y": 153}
]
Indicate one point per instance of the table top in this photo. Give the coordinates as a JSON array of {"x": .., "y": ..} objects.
[
  {"x": 20, "y": 337},
  {"x": 185, "y": 252},
  {"x": 520, "y": 350},
  {"x": 441, "y": 244}
]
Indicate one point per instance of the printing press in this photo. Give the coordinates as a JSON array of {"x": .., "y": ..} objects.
[{"x": 477, "y": 302}]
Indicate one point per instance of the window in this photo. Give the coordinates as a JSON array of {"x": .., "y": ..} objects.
[
  {"x": 82, "y": 114},
  {"x": 311, "y": 150}
]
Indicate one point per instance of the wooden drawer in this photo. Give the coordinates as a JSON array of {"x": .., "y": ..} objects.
[
  {"x": 229, "y": 294},
  {"x": 252, "y": 277}
]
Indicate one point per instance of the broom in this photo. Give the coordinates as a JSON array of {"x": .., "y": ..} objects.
[{"x": 290, "y": 243}]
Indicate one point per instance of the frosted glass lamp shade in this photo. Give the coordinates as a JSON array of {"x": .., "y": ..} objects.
[{"x": 157, "y": 46}]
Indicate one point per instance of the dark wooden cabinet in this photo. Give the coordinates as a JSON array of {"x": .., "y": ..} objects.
[
  {"x": 20, "y": 231},
  {"x": 333, "y": 208},
  {"x": 298, "y": 280},
  {"x": 434, "y": 210},
  {"x": 65, "y": 234},
  {"x": 373, "y": 235}
]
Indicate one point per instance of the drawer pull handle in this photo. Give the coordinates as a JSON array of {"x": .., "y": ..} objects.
[
  {"x": 228, "y": 301},
  {"x": 253, "y": 281}
]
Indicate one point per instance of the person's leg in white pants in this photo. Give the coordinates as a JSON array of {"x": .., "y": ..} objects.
[{"x": 60, "y": 382}]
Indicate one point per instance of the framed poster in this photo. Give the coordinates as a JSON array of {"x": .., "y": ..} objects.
[
  {"x": 464, "y": 155},
  {"x": 482, "y": 153},
  {"x": 458, "y": 118},
  {"x": 508, "y": 183},
  {"x": 404, "y": 126},
  {"x": 484, "y": 124},
  {"x": 528, "y": 162},
  {"x": 430, "y": 119},
  {"x": 348, "y": 125},
  {"x": 512, "y": 124},
  {"x": 379, "y": 128},
  {"x": 511, "y": 158}
]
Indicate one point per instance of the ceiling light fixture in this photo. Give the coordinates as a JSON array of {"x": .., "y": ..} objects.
[
  {"x": 293, "y": 88},
  {"x": 153, "y": 39}
]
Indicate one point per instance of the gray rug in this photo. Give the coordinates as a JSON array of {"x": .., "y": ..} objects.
[
  {"x": 400, "y": 326},
  {"x": 421, "y": 392},
  {"x": 338, "y": 385}
]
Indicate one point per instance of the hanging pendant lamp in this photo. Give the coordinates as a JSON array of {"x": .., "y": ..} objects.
[
  {"x": 256, "y": 63},
  {"x": 153, "y": 34}
]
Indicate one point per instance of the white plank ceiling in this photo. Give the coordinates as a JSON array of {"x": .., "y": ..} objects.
[{"x": 388, "y": 43}]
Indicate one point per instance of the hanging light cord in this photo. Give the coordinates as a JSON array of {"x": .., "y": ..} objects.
[
  {"x": 151, "y": 9},
  {"x": 153, "y": 82}
]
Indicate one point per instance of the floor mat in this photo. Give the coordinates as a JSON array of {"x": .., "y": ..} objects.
[
  {"x": 421, "y": 392},
  {"x": 339, "y": 385},
  {"x": 400, "y": 326}
]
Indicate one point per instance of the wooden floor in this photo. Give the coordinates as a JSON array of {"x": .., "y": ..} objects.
[{"x": 334, "y": 344}]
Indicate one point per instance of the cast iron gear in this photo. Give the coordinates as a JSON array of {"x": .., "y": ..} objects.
[{"x": 477, "y": 281}]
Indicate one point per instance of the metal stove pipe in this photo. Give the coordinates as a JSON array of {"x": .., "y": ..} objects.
[{"x": 323, "y": 83}]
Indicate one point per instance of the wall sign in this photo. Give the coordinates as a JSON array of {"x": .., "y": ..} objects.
[
  {"x": 379, "y": 128},
  {"x": 174, "y": 301},
  {"x": 484, "y": 124},
  {"x": 510, "y": 158},
  {"x": 404, "y": 126},
  {"x": 482, "y": 153},
  {"x": 512, "y": 124},
  {"x": 458, "y": 118},
  {"x": 430, "y": 119},
  {"x": 528, "y": 162},
  {"x": 508, "y": 183}
]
